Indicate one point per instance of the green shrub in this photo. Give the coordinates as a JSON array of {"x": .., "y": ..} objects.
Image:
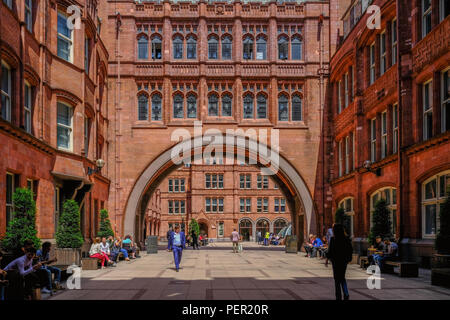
[
  {"x": 342, "y": 218},
  {"x": 105, "y": 225},
  {"x": 194, "y": 226},
  {"x": 22, "y": 225},
  {"x": 442, "y": 242},
  {"x": 381, "y": 222},
  {"x": 68, "y": 234}
]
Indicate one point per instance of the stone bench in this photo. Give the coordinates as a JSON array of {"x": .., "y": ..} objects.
[{"x": 407, "y": 269}]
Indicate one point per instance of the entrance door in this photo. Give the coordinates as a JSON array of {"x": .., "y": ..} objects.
[
  {"x": 245, "y": 229},
  {"x": 263, "y": 226},
  {"x": 203, "y": 228}
]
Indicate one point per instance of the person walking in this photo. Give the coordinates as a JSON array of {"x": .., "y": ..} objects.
[
  {"x": 177, "y": 242},
  {"x": 235, "y": 239},
  {"x": 169, "y": 233},
  {"x": 340, "y": 252},
  {"x": 194, "y": 239},
  {"x": 259, "y": 237}
]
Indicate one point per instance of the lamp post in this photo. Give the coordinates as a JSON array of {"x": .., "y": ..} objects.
[
  {"x": 99, "y": 164},
  {"x": 368, "y": 166}
]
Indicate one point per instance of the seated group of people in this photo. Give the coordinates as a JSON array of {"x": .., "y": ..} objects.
[
  {"x": 108, "y": 250},
  {"x": 316, "y": 245},
  {"x": 29, "y": 270},
  {"x": 385, "y": 250},
  {"x": 268, "y": 238}
]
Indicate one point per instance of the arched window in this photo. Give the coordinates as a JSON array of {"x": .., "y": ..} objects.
[
  {"x": 297, "y": 108},
  {"x": 262, "y": 106},
  {"x": 191, "y": 49},
  {"x": 178, "y": 48},
  {"x": 142, "y": 107},
  {"x": 347, "y": 205},
  {"x": 433, "y": 195},
  {"x": 191, "y": 106},
  {"x": 248, "y": 106},
  {"x": 278, "y": 225},
  {"x": 178, "y": 110},
  {"x": 283, "y": 48},
  {"x": 248, "y": 48},
  {"x": 226, "y": 105},
  {"x": 262, "y": 225},
  {"x": 261, "y": 48},
  {"x": 213, "y": 45},
  {"x": 156, "y": 107},
  {"x": 296, "y": 48},
  {"x": 390, "y": 195},
  {"x": 142, "y": 47},
  {"x": 213, "y": 105},
  {"x": 156, "y": 47},
  {"x": 283, "y": 108},
  {"x": 226, "y": 48},
  {"x": 245, "y": 229}
]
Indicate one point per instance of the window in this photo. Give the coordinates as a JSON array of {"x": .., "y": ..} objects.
[
  {"x": 266, "y": 204},
  {"x": 192, "y": 106},
  {"x": 283, "y": 45},
  {"x": 278, "y": 225},
  {"x": 373, "y": 140},
  {"x": 383, "y": 135},
  {"x": 220, "y": 230},
  {"x": 390, "y": 195},
  {"x": 248, "y": 106},
  {"x": 248, "y": 205},
  {"x": 178, "y": 109},
  {"x": 259, "y": 205},
  {"x": 340, "y": 164},
  {"x": 248, "y": 181},
  {"x": 445, "y": 100},
  {"x": 296, "y": 48},
  {"x": 394, "y": 41},
  {"x": 241, "y": 205},
  {"x": 191, "y": 48},
  {"x": 383, "y": 61},
  {"x": 213, "y": 105},
  {"x": 29, "y": 15},
  {"x": 262, "y": 182},
  {"x": 142, "y": 107},
  {"x": 8, "y": 3},
  {"x": 444, "y": 9},
  {"x": 283, "y": 108},
  {"x": 214, "y": 205},
  {"x": 347, "y": 155},
  {"x": 345, "y": 90},
  {"x": 297, "y": 108},
  {"x": 276, "y": 205},
  {"x": 248, "y": 48},
  {"x": 372, "y": 64},
  {"x": 156, "y": 107},
  {"x": 64, "y": 126},
  {"x": 226, "y": 105},
  {"x": 64, "y": 38},
  {"x": 213, "y": 48},
  {"x": 58, "y": 206},
  {"x": 142, "y": 47},
  {"x": 176, "y": 206},
  {"x": 178, "y": 48},
  {"x": 207, "y": 181},
  {"x": 427, "y": 110},
  {"x": 170, "y": 185},
  {"x": 426, "y": 17},
  {"x": 395, "y": 128},
  {"x": 339, "y": 85},
  {"x": 261, "y": 48},
  {"x": 156, "y": 47},
  {"x": 245, "y": 181},
  {"x": 347, "y": 205},
  {"x": 261, "y": 106},
  {"x": 6, "y": 88},
  {"x": 220, "y": 177},
  {"x": 282, "y": 205},
  {"x": 27, "y": 107},
  {"x": 226, "y": 48},
  {"x": 10, "y": 188},
  {"x": 86, "y": 136}
]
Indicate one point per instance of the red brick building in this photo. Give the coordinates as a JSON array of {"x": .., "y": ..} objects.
[
  {"x": 53, "y": 123},
  {"x": 389, "y": 120}
]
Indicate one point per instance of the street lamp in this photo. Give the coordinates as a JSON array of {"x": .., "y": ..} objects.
[
  {"x": 368, "y": 166},
  {"x": 99, "y": 164}
]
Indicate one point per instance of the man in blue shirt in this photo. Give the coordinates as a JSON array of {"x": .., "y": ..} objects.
[
  {"x": 177, "y": 242},
  {"x": 317, "y": 243}
]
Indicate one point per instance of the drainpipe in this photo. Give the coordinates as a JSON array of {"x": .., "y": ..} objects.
[{"x": 117, "y": 124}]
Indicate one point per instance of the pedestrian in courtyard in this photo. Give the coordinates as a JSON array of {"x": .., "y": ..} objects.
[
  {"x": 340, "y": 253},
  {"x": 177, "y": 242},
  {"x": 234, "y": 237},
  {"x": 266, "y": 238},
  {"x": 259, "y": 236},
  {"x": 194, "y": 239}
]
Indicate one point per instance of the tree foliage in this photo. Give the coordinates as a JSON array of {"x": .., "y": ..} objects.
[
  {"x": 442, "y": 243},
  {"x": 194, "y": 226},
  {"x": 105, "y": 225},
  {"x": 68, "y": 234},
  {"x": 381, "y": 222}
]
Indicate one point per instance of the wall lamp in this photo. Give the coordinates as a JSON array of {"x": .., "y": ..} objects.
[
  {"x": 99, "y": 164},
  {"x": 368, "y": 166}
]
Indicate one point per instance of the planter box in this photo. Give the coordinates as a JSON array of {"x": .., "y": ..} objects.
[{"x": 68, "y": 256}]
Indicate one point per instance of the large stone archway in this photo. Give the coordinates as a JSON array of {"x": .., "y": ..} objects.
[{"x": 304, "y": 208}]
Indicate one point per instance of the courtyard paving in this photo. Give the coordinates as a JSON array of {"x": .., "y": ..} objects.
[{"x": 216, "y": 273}]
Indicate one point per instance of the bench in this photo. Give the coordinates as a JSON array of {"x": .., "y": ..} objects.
[
  {"x": 440, "y": 277},
  {"x": 89, "y": 263},
  {"x": 407, "y": 269},
  {"x": 363, "y": 262}
]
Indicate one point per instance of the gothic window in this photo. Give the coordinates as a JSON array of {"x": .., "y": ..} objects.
[
  {"x": 178, "y": 111},
  {"x": 261, "y": 48},
  {"x": 213, "y": 105},
  {"x": 226, "y": 48},
  {"x": 178, "y": 48},
  {"x": 191, "y": 106},
  {"x": 296, "y": 108},
  {"x": 156, "y": 107},
  {"x": 283, "y": 48},
  {"x": 248, "y": 106},
  {"x": 142, "y": 107},
  {"x": 283, "y": 108},
  {"x": 213, "y": 45},
  {"x": 191, "y": 44},
  {"x": 248, "y": 48},
  {"x": 262, "y": 106},
  {"x": 156, "y": 47},
  {"x": 296, "y": 48},
  {"x": 226, "y": 105}
]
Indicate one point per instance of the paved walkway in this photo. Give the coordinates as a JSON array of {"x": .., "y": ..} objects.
[{"x": 215, "y": 272}]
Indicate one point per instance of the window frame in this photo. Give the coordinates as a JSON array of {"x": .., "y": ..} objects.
[
  {"x": 384, "y": 138},
  {"x": 395, "y": 141},
  {"x": 373, "y": 140},
  {"x": 445, "y": 103},
  {"x": 427, "y": 24},
  {"x": 350, "y": 212},
  {"x": 28, "y": 15},
  {"x": 9, "y": 202},
  {"x": 372, "y": 64},
  {"x": 394, "y": 41},
  {"x": 28, "y": 107},
  {"x": 391, "y": 205},
  {"x": 66, "y": 39},
  {"x": 71, "y": 109},
  {"x": 6, "y": 95},
  {"x": 142, "y": 98},
  {"x": 427, "y": 109},
  {"x": 383, "y": 53}
]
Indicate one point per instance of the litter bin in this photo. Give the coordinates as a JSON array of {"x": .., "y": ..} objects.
[
  {"x": 152, "y": 244},
  {"x": 291, "y": 244}
]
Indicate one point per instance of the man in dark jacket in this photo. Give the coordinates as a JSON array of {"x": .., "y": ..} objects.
[
  {"x": 194, "y": 239},
  {"x": 177, "y": 242}
]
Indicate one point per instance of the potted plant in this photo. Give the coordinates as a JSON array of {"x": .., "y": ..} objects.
[
  {"x": 68, "y": 235},
  {"x": 440, "y": 272},
  {"x": 22, "y": 226},
  {"x": 381, "y": 222},
  {"x": 105, "y": 225}
]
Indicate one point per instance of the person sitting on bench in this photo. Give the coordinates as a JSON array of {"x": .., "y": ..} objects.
[
  {"x": 116, "y": 249},
  {"x": 379, "y": 246},
  {"x": 308, "y": 245},
  {"x": 96, "y": 252},
  {"x": 317, "y": 243},
  {"x": 390, "y": 252},
  {"x": 44, "y": 258},
  {"x": 128, "y": 245}
]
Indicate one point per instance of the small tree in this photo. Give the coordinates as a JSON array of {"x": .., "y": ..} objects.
[
  {"x": 342, "y": 218},
  {"x": 442, "y": 243},
  {"x": 68, "y": 234},
  {"x": 194, "y": 226},
  {"x": 105, "y": 225},
  {"x": 381, "y": 222},
  {"x": 23, "y": 223}
]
